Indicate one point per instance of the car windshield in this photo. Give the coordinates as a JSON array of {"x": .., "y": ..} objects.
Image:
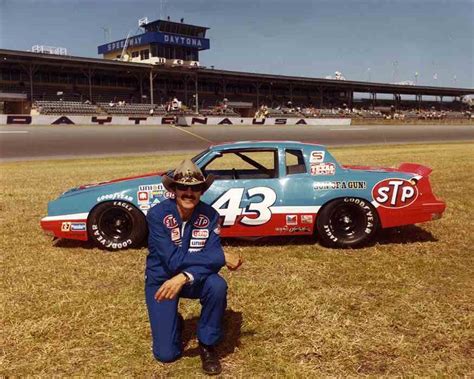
[
  {"x": 194, "y": 159},
  {"x": 199, "y": 156}
]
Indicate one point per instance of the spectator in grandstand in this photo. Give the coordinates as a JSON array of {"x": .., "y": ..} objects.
[
  {"x": 111, "y": 104},
  {"x": 225, "y": 104},
  {"x": 177, "y": 269},
  {"x": 175, "y": 104},
  {"x": 152, "y": 112}
]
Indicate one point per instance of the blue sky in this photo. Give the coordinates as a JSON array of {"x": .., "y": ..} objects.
[{"x": 384, "y": 41}]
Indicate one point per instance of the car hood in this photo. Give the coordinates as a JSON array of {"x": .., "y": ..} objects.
[{"x": 101, "y": 185}]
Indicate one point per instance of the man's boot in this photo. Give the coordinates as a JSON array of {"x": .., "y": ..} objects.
[{"x": 210, "y": 360}]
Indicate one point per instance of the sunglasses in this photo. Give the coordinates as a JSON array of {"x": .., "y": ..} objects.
[{"x": 194, "y": 188}]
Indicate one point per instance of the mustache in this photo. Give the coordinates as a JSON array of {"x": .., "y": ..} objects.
[{"x": 190, "y": 197}]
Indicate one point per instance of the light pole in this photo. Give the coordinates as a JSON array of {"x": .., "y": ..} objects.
[{"x": 416, "y": 78}]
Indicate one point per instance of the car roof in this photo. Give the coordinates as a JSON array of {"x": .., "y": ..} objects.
[{"x": 264, "y": 144}]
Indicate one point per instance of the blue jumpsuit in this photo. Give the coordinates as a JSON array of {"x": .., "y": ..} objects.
[{"x": 195, "y": 249}]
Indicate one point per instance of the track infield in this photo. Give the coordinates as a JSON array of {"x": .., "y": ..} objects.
[{"x": 401, "y": 307}]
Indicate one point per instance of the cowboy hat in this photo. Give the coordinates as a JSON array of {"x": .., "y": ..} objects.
[{"x": 189, "y": 174}]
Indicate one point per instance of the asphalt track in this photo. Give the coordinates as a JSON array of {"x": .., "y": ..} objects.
[{"x": 54, "y": 142}]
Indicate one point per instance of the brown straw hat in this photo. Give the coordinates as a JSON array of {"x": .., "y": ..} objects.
[{"x": 189, "y": 174}]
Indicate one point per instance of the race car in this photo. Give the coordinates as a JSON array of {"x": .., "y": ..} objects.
[{"x": 262, "y": 188}]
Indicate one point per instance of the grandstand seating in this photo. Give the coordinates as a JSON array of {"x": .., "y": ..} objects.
[
  {"x": 132, "y": 109},
  {"x": 65, "y": 107},
  {"x": 218, "y": 111}
]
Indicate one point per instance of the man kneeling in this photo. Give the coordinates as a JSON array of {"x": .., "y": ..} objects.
[{"x": 185, "y": 256}]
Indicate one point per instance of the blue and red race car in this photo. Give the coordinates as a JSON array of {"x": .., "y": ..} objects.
[{"x": 262, "y": 188}]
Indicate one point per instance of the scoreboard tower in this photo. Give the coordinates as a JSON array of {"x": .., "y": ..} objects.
[{"x": 163, "y": 42}]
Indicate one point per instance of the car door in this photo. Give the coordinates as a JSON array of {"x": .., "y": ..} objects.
[
  {"x": 245, "y": 190},
  {"x": 297, "y": 210}
]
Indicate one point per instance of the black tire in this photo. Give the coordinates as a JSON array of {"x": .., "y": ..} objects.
[
  {"x": 116, "y": 225},
  {"x": 347, "y": 222}
]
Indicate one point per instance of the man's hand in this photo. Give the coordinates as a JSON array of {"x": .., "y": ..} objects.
[
  {"x": 171, "y": 287},
  {"x": 233, "y": 261}
]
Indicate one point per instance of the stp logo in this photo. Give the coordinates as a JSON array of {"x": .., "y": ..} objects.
[
  {"x": 394, "y": 193},
  {"x": 202, "y": 221},
  {"x": 170, "y": 222}
]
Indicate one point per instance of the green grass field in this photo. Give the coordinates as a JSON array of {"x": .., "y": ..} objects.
[{"x": 401, "y": 307}]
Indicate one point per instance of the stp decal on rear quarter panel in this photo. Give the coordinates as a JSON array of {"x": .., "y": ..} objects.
[{"x": 395, "y": 193}]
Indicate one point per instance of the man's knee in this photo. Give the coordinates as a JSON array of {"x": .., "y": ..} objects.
[
  {"x": 165, "y": 356},
  {"x": 216, "y": 285}
]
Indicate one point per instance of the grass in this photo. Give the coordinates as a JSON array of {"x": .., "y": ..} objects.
[{"x": 401, "y": 307}]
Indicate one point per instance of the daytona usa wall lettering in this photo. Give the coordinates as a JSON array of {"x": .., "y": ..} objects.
[
  {"x": 256, "y": 213},
  {"x": 394, "y": 193}
]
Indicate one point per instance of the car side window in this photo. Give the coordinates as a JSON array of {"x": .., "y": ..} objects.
[
  {"x": 242, "y": 164},
  {"x": 294, "y": 162}
]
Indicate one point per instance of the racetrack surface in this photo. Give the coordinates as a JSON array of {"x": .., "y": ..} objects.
[{"x": 47, "y": 142}]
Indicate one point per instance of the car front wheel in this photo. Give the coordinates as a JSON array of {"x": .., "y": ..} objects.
[
  {"x": 347, "y": 222},
  {"x": 116, "y": 225}
]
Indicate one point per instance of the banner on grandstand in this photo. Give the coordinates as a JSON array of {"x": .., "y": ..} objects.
[
  {"x": 166, "y": 120},
  {"x": 189, "y": 121}
]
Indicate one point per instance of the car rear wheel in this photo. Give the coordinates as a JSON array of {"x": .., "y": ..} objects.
[
  {"x": 347, "y": 222},
  {"x": 116, "y": 225}
]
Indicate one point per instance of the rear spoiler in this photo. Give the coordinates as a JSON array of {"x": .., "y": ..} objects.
[{"x": 415, "y": 168}]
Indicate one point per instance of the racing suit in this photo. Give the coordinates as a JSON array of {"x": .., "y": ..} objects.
[{"x": 192, "y": 247}]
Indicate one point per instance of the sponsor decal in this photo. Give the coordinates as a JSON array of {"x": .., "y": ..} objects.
[
  {"x": 317, "y": 156},
  {"x": 115, "y": 196},
  {"x": 175, "y": 234},
  {"x": 197, "y": 243},
  {"x": 202, "y": 221},
  {"x": 169, "y": 195},
  {"x": 152, "y": 187},
  {"x": 78, "y": 226},
  {"x": 395, "y": 193},
  {"x": 200, "y": 233},
  {"x": 142, "y": 196},
  {"x": 151, "y": 194},
  {"x": 194, "y": 250},
  {"x": 292, "y": 229},
  {"x": 291, "y": 220},
  {"x": 144, "y": 207},
  {"x": 337, "y": 185},
  {"x": 65, "y": 227},
  {"x": 323, "y": 168},
  {"x": 306, "y": 219},
  {"x": 170, "y": 222}
]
